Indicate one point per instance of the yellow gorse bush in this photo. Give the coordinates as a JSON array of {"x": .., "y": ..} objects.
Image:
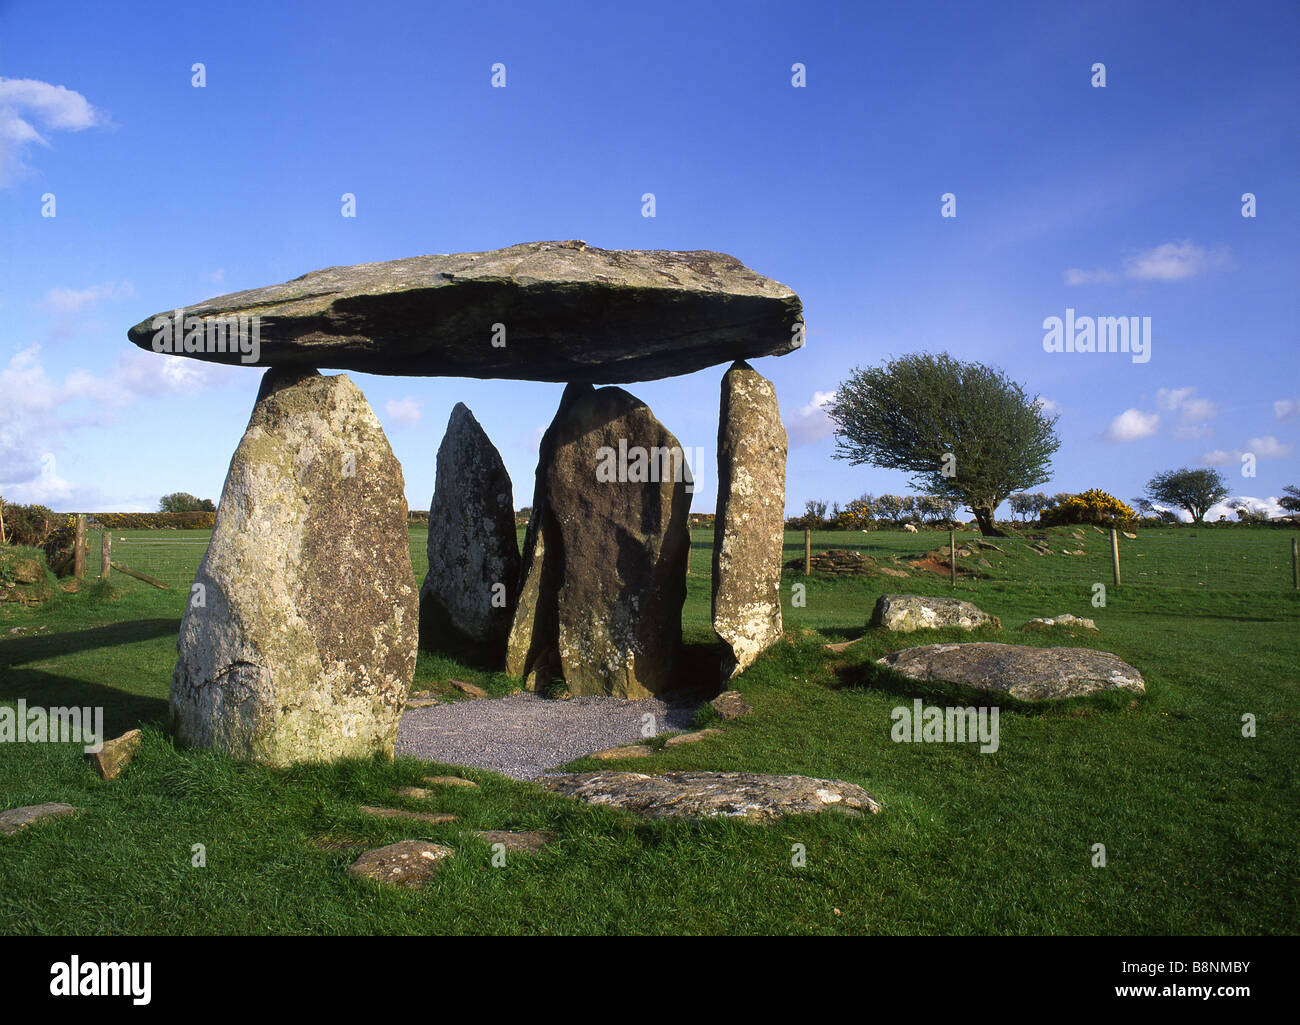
[{"x": 1093, "y": 506}]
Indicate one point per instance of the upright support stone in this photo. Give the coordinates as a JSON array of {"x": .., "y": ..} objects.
[
  {"x": 473, "y": 549},
  {"x": 299, "y": 640},
  {"x": 749, "y": 528},
  {"x": 604, "y": 575}
]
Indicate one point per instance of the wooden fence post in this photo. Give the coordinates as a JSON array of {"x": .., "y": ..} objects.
[
  {"x": 105, "y": 555},
  {"x": 1295, "y": 564},
  {"x": 952, "y": 554},
  {"x": 1114, "y": 553},
  {"x": 807, "y": 551},
  {"x": 79, "y": 552}
]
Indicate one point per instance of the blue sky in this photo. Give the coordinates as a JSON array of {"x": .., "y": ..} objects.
[{"x": 1115, "y": 201}]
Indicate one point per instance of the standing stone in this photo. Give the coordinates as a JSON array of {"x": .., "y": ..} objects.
[
  {"x": 299, "y": 640},
  {"x": 473, "y": 550},
  {"x": 605, "y": 558},
  {"x": 749, "y": 528}
]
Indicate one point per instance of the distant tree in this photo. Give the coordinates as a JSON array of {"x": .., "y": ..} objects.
[
  {"x": 1026, "y": 505},
  {"x": 182, "y": 502},
  {"x": 964, "y": 430},
  {"x": 1290, "y": 500},
  {"x": 1193, "y": 490},
  {"x": 890, "y": 507},
  {"x": 935, "y": 508},
  {"x": 857, "y": 514}
]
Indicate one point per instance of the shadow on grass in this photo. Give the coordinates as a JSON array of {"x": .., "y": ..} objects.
[{"x": 31, "y": 648}]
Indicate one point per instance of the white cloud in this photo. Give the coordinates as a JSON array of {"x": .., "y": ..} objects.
[
  {"x": 1173, "y": 261},
  {"x": 1228, "y": 507},
  {"x": 1218, "y": 457},
  {"x": 72, "y": 300},
  {"x": 39, "y": 412},
  {"x": 1191, "y": 409},
  {"x": 1285, "y": 409},
  {"x": 1049, "y": 406},
  {"x": 1268, "y": 447},
  {"x": 1169, "y": 261},
  {"x": 1131, "y": 425},
  {"x": 405, "y": 412},
  {"x": 26, "y": 103},
  {"x": 810, "y": 423}
]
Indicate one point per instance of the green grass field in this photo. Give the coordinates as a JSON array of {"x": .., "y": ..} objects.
[{"x": 1198, "y": 821}]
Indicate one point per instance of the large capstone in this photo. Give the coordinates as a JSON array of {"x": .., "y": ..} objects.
[
  {"x": 749, "y": 528},
  {"x": 539, "y": 311},
  {"x": 473, "y": 548},
  {"x": 604, "y": 574},
  {"x": 299, "y": 640},
  {"x": 1026, "y": 673}
]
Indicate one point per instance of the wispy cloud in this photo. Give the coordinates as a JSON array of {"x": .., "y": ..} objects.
[
  {"x": 30, "y": 111},
  {"x": 1169, "y": 261},
  {"x": 64, "y": 300}
]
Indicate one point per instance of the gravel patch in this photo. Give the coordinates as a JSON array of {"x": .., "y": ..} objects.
[{"x": 523, "y": 735}]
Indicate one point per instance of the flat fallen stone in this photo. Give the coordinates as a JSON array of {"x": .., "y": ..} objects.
[
  {"x": 730, "y": 705},
  {"x": 751, "y": 796},
  {"x": 469, "y": 689},
  {"x": 522, "y": 842},
  {"x": 115, "y": 754},
  {"x": 437, "y": 818},
  {"x": 691, "y": 738},
  {"x": 840, "y": 646},
  {"x": 417, "y": 793},
  {"x": 409, "y": 864},
  {"x": 14, "y": 819},
  {"x": 449, "y": 781},
  {"x": 1067, "y": 621},
  {"x": 904, "y": 613},
  {"x": 627, "y": 751},
  {"x": 420, "y": 702},
  {"x": 570, "y": 312},
  {"x": 1023, "y": 672}
]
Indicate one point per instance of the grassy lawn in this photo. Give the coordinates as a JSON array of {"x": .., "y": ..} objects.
[{"x": 1198, "y": 822}]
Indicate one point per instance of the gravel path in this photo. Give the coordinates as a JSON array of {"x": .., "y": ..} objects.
[{"x": 523, "y": 735}]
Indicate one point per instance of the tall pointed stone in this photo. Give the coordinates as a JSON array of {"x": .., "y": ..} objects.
[
  {"x": 749, "y": 528},
  {"x": 299, "y": 640},
  {"x": 473, "y": 549},
  {"x": 605, "y": 559}
]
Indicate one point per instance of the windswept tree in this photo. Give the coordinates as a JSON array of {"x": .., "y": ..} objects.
[
  {"x": 1193, "y": 490},
  {"x": 965, "y": 431},
  {"x": 1290, "y": 500}
]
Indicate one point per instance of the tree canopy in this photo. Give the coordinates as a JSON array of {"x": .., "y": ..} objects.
[
  {"x": 965, "y": 431},
  {"x": 1193, "y": 490}
]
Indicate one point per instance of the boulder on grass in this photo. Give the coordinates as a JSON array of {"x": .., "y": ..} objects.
[
  {"x": 1025, "y": 673},
  {"x": 904, "y": 613},
  {"x": 299, "y": 640}
]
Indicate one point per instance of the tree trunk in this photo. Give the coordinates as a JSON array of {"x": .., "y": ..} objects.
[{"x": 985, "y": 520}]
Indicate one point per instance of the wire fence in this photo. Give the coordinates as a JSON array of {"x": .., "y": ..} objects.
[{"x": 1245, "y": 560}]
